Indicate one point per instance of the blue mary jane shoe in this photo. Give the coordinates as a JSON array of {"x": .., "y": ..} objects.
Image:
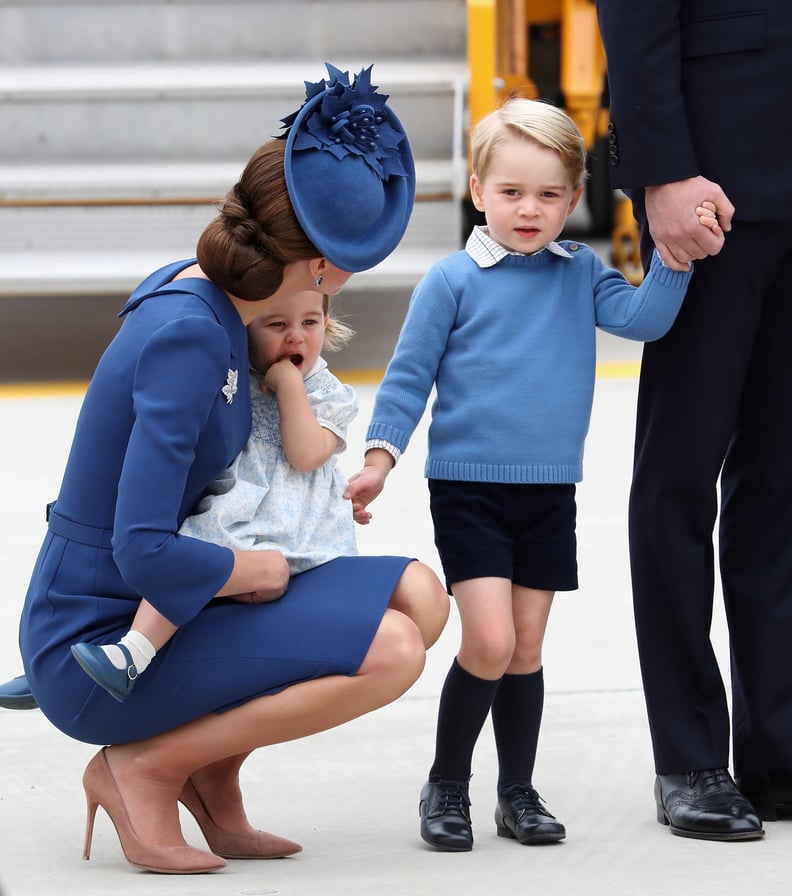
[
  {"x": 15, "y": 694},
  {"x": 94, "y": 662}
]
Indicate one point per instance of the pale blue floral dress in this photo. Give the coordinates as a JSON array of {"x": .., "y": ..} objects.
[{"x": 262, "y": 502}]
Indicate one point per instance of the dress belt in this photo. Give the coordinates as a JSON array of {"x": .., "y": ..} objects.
[{"x": 90, "y": 535}]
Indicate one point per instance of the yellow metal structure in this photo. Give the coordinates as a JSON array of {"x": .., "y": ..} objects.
[
  {"x": 537, "y": 48},
  {"x": 550, "y": 49},
  {"x": 625, "y": 242}
]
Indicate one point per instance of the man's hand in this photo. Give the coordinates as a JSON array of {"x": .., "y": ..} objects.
[
  {"x": 675, "y": 225},
  {"x": 708, "y": 216}
]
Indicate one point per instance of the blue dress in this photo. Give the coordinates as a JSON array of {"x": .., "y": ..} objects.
[{"x": 166, "y": 412}]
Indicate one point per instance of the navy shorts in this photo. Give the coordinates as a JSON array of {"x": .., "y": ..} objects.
[{"x": 521, "y": 532}]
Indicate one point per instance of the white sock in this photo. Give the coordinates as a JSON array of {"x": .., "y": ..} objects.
[{"x": 138, "y": 645}]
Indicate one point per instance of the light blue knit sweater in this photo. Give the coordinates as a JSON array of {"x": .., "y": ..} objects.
[{"x": 511, "y": 351}]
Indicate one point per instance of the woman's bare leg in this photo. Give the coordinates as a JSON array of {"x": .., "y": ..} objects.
[
  {"x": 218, "y": 786},
  {"x": 150, "y": 773},
  {"x": 420, "y": 595}
]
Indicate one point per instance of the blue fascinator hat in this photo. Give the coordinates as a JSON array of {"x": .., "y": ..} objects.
[{"x": 349, "y": 170}]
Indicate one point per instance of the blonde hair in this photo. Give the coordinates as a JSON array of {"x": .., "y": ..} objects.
[
  {"x": 337, "y": 333},
  {"x": 532, "y": 120}
]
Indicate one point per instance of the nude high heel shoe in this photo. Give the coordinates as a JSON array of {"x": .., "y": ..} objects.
[
  {"x": 230, "y": 844},
  {"x": 102, "y": 790}
]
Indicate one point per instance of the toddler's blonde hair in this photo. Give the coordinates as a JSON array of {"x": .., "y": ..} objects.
[
  {"x": 337, "y": 333},
  {"x": 540, "y": 122}
]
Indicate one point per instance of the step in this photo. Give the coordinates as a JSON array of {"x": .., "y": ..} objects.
[
  {"x": 81, "y": 250},
  {"x": 223, "y": 111},
  {"x": 174, "y": 181},
  {"x": 64, "y": 31},
  {"x": 116, "y": 273}
]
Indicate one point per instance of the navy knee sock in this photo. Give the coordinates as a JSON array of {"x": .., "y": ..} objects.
[
  {"x": 516, "y": 718},
  {"x": 464, "y": 703}
]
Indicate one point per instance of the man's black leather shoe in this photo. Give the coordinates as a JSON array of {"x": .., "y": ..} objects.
[
  {"x": 15, "y": 694},
  {"x": 521, "y": 815},
  {"x": 445, "y": 815},
  {"x": 707, "y": 805},
  {"x": 770, "y": 793}
]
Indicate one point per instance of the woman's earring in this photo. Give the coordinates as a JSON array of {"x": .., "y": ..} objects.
[{"x": 318, "y": 280}]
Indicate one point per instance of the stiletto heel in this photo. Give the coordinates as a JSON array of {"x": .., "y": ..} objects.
[
  {"x": 231, "y": 844},
  {"x": 89, "y": 826},
  {"x": 102, "y": 790}
]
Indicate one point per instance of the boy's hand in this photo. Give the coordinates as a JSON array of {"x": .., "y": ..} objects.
[
  {"x": 362, "y": 489},
  {"x": 364, "y": 486},
  {"x": 708, "y": 216},
  {"x": 360, "y": 515}
]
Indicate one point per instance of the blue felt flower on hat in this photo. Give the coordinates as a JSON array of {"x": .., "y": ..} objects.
[
  {"x": 349, "y": 119},
  {"x": 349, "y": 170}
]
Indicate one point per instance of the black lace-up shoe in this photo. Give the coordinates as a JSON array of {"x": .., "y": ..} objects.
[
  {"x": 445, "y": 815},
  {"x": 707, "y": 805},
  {"x": 521, "y": 815},
  {"x": 770, "y": 793}
]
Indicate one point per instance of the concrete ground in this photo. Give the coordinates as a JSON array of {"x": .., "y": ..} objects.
[{"x": 350, "y": 795}]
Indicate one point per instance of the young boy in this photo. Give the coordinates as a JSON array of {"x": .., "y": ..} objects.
[{"x": 505, "y": 332}]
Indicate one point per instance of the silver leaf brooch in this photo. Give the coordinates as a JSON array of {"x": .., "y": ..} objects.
[{"x": 230, "y": 388}]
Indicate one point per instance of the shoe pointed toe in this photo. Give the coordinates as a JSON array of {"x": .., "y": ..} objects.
[
  {"x": 252, "y": 845},
  {"x": 233, "y": 844}
]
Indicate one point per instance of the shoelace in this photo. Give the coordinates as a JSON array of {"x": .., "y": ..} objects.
[
  {"x": 526, "y": 798},
  {"x": 711, "y": 778},
  {"x": 452, "y": 797}
]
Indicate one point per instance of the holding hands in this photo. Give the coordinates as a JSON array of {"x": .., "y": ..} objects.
[
  {"x": 364, "y": 486},
  {"x": 708, "y": 216},
  {"x": 678, "y": 234}
]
